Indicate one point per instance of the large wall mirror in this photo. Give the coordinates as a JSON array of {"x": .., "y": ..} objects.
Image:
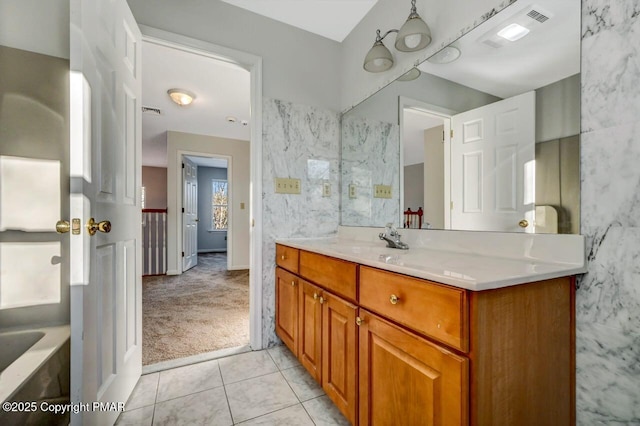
[{"x": 486, "y": 138}]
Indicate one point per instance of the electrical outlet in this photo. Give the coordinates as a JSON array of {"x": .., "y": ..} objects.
[
  {"x": 326, "y": 189},
  {"x": 287, "y": 186},
  {"x": 352, "y": 191},
  {"x": 381, "y": 191}
]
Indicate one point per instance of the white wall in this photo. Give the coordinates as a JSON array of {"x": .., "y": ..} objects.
[
  {"x": 447, "y": 20},
  {"x": 198, "y": 144},
  {"x": 434, "y": 177},
  {"x": 36, "y": 25},
  {"x": 298, "y": 66}
]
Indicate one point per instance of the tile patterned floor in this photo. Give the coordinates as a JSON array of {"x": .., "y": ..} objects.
[{"x": 267, "y": 387}]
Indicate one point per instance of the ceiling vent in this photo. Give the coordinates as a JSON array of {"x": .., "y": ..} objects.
[
  {"x": 151, "y": 110},
  {"x": 530, "y": 18}
]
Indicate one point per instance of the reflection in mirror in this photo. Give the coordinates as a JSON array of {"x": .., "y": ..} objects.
[{"x": 485, "y": 140}]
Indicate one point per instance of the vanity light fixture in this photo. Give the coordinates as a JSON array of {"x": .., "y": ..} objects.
[
  {"x": 412, "y": 74},
  {"x": 513, "y": 32},
  {"x": 445, "y": 56},
  {"x": 414, "y": 35},
  {"x": 181, "y": 97}
]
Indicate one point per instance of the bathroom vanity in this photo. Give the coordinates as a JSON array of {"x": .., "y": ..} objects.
[{"x": 430, "y": 336}]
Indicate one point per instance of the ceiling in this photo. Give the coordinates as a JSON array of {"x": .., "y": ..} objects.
[
  {"x": 333, "y": 19},
  {"x": 550, "y": 52},
  {"x": 222, "y": 89}
]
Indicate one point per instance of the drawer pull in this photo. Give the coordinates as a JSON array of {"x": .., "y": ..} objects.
[
  {"x": 315, "y": 296},
  {"x": 283, "y": 257},
  {"x": 394, "y": 299},
  {"x": 359, "y": 321},
  {"x": 293, "y": 283},
  {"x": 322, "y": 300}
]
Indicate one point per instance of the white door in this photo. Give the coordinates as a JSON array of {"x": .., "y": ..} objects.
[
  {"x": 493, "y": 166},
  {"x": 189, "y": 214},
  {"x": 106, "y": 283}
]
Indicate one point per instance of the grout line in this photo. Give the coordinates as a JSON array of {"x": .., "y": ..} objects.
[
  {"x": 224, "y": 388},
  {"x": 270, "y": 412}
]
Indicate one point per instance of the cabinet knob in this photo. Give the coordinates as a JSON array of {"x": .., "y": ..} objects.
[
  {"x": 322, "y": 300},
  {"x": 394, "y": 299},
  {"x": 315, "y": 296},
  {"x": 359, "y": 321},
  {"x": 283, "y": 257},
  {"x": 293, "y": 283}
]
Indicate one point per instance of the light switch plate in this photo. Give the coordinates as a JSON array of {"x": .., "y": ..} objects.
[
  {"x": 352, "y": 191},
  {"x": 326, "y": 189},
  {"x": 287, "y": 186},
  {"x": 381, "y": 191}
]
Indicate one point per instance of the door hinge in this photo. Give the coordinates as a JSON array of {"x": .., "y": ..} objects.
[
  {"x": 183, "y": 165},
  {"x": 443, "y": 136},
  {"x": 451, "y": 205},
  {"x": 451, "y": 133},
  {"x": 183, "y": 210},
  {"x": 182, "y": 254}
]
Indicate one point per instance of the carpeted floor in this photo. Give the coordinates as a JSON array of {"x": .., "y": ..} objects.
[{"x": 202, "y": 310}]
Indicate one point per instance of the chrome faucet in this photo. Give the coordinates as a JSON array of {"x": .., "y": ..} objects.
[{"x": 392, "y": 237}]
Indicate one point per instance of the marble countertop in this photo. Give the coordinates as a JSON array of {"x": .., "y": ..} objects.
[{"x": 464, "y": 270}]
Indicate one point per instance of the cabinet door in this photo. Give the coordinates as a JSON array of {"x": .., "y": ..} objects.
[
  {"x": 407, "y": 380},
  {"x": 339, "y": 353},
  {"x": 310, "y": 328},
  {"x": 287, "y": 309}
]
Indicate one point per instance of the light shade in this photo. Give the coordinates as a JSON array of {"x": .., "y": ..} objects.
[
  {"x": 414, "y": 34},
  {"x": 378, "y": 58},
  {"x": 445, "y": 56},
  {"x": 412, "y": 74},
  {"x": 181, "y": 97}
]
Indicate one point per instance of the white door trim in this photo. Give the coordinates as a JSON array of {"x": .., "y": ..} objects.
[
  {"x": 437, "y": 111},
  {"x": 253, "y": 64}
]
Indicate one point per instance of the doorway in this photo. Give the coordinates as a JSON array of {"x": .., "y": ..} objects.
[{"x": 184, "y": 142}]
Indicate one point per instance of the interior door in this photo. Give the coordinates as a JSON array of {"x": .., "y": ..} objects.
[
  {"x": 493, "y": 166},
  {"x": 106, "y": 283},
  {"x": 189, "y": 214}
]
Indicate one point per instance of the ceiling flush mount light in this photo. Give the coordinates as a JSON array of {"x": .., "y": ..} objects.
[
  {"x": 513, "y": 32},
  {"x": 181, "y": 97},
  {"x": 414, "y": 35},
  {"x": 412, "y": 74},
  {"x": 445, "y": 56}
]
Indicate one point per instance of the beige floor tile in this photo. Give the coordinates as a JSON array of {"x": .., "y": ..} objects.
[
  {"x": 189, "y": 379},
  {"x": 324, "y": 413},
  {"x": 292, "y": 416},
  {"x": 144, "y": 393},
  {"x": 138, "y": 417},
  {"x": 283, "y": 357},
  {"x": 303, "y": 385},
  {"x": 246, "y": 366},
  {"x": 204, "y": 408},
  {"x": 258, "y": 396}
]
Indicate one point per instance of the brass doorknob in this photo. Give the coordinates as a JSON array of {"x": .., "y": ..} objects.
[
  {"x": 523, "y": 223},
  {"x": 62, "y": 226},
  {"x": 102, "y": 226},
  {"x": 394, "y": 299}
]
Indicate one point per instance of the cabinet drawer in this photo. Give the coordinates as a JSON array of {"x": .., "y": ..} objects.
[
  {"x": 287, "y": 258},
  {"x": 435, "y": 310},
  {"x": 338, "y": 276}
]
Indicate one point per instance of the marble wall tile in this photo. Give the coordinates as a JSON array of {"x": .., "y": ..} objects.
[
  {"x": 298, "y": 142},
  {"x": 607, "y": 368},
  {"x": 370, "y": 156},
  {"x": 608, "y": 296},
  {"x": 610, "y": 164},
  {"x": 610, "y": 69}
]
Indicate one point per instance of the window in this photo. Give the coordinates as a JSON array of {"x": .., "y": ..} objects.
[{"x": 219, "y": 204}]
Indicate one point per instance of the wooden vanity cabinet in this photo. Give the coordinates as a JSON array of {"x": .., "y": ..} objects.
[
  {"x": 287, "y": 308},
  {"x": 310, "y": 329},
  {"x": 407, "y": 380}
]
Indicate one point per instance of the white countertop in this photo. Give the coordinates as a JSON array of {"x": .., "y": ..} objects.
[{"x": 466, "y": 270}]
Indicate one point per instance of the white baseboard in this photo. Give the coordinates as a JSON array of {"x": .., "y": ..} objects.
[
  {"x": 173, "y": 272},
  {"x": 238, "y": 267}
]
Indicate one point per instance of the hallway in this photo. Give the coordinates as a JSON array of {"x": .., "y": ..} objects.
[{"x": 201, "y": 310}]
